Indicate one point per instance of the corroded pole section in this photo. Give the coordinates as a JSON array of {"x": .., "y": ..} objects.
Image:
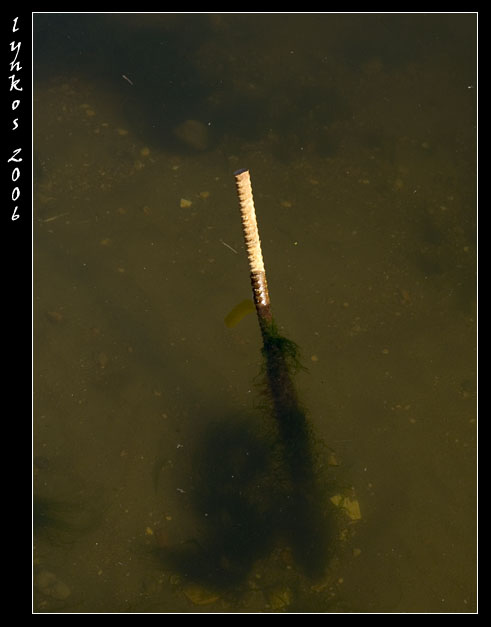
[{"x": 253, "y": 247}]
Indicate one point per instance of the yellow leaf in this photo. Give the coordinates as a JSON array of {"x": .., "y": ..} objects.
[
  {"x": 238, "y": 312},
  {"x": 350, "y": 506}
]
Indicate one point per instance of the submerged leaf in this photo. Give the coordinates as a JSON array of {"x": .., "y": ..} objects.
[{"x": 238, "y": 312}]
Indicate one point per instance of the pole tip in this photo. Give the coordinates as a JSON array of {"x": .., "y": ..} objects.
[{"x": 241, "y": 171}]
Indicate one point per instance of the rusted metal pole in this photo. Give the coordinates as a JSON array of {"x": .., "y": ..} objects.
[{"x": 253, "y": 247}]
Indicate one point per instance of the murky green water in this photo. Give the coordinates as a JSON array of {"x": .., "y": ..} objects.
[{"x": 359, "y": 131}]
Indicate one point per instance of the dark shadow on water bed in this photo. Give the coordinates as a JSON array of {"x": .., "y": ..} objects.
[{"x": 246, "y": 508}]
